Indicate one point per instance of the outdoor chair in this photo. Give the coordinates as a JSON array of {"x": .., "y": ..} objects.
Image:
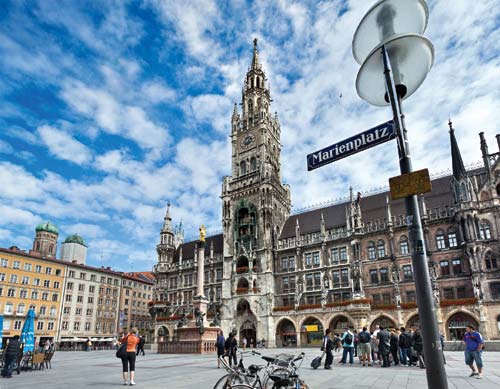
[
  {"x": 48, "y": 358},
  {"x": 24, "y": 362},
  {"x": 37, "y": 361}
]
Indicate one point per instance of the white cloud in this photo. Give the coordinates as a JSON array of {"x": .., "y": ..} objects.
[
  {"x": 157, "y": 92},
  {"x": 213, "y": 109},
  {"x": 5, "y": 148},
  {"x": 63, "y": 146}
]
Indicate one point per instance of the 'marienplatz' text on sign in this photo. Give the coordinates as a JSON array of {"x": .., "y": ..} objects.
[{"x": 372, "y": 137}]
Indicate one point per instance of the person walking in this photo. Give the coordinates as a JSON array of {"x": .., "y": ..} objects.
[
  {"x": 140, "y": 346},
  {"x": 219, "y": 344},
  {"x": 10, "y": 354},
  {"x": 128, "y": 360},
  {"x": 244, "y": 342},
  {"x": 384, "y": 345},
  {"x": 327, "y": 347},
  {"x": 405, "y": 343},
  {"x": 474, "y": 345},
  {"x": 364, "y": 348},
  {"x": 231, "y": 346},
  {"x": 441, "y": 340},
  {"x": 375, "y": 350},
  {"x": 394, "y": 342},
  {"x": 348, "y": 345},
  {"x": 418, "y": 346},
  {"x": 356, "y": 342},
  {"x": 337, "y": 344}
]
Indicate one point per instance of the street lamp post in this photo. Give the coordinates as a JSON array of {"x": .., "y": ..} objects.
[{"x": 392, "y": 71}]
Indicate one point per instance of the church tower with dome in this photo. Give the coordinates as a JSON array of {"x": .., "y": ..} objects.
[
  {"x": 45, "y": 242},
  {"x": 74, "y": 249}
]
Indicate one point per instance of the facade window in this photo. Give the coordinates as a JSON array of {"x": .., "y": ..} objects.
[
  {"x": 13, "y": 279},
  {"x": 374, "y": 276},
  {"x": 490, "y": 262},
  {"x": 8, "y": 309},
  {"x": 25, "y": 280},
  {"x": 495, "y": 290},
  {"x": 335, "y": 256},
  {"x": 371, "y": 251},
  {"x": 4, "y": 262},
  {"x": 45, "y": 296},
  {"x": 11, "y": 292},
  {"x": 39, "y": 325},
  {"x": 18, "y": 324},
  {"x": 76, "y": 326},
  {"x": 344, "y": 277},
  {"x": 69, "y": 285},
  {"x": 79, "y": 299},
  {"x": 38, "y": 268},
  {"x": 410, "y": 296},
  {"x": 48, "y": 270},
  {"x": 403, "y": 246},
  {"x": 66, "y": 310},
  {"x": 65, "y": 325},
  {"x": 71, "y": 274},
  {"x": 452, "y": 238},
  {"x": 484, "y": 231},
  {"x": 448, "y": 294},
  {"x": 336, "y": 278},
  {"x": 461, "y": 292},
  {"x": 218, "y": 275},
  {"x": 445, "y": 268},
  {"x": 89, "y": 312},
  {"x": 81, "y": 287},
  {"x": 50, "y": 326},
  {"x": 309, "y": 281},
  {"x": 23, "y": 294},
  {"x": 53, "y": 311},
  {"x": 91, "y": 289},
  {"x": 440, "y": 240},
  {"x": 46, "y": 283},
  {"x": 317, "y": 280},
  {"x": 36, "y": 281},
  {"x": 381, "y": 249},
  {"x": 343, "y": 254},
  {"x": 90, "y": 300},
  {"x": 93, "y": 278},
  {"x": 457, "y": 266},
  {"x": 308, "y": 259},
  {"x": 291, "y": 263},
  {"x": 20, "y": 309},
  {"x": 407, "y": 273},
  {"x": 68, "y": 298},
  {"x": 316, "y": 258},
  {"x": 87, "y": 326},
  {"x": 285, "y": 284},
  {"x": 56, "y": 284},
  {"x": 2, "y": 276},
  {"x": 83, "y": 276},
  {"x": 34, "y": 295},
  {"x": 78, "y": 311},
  {"x": 384, "y": 275},
  {"x": 43, "y": 310},
  {"x": 16, "y": 265},
  {"x": 27, "y": 266}
]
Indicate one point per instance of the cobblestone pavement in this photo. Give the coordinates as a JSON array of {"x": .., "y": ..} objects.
[{"x": 101, "y": 369}]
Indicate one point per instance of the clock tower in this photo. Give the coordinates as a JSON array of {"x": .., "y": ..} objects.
[{"x": 255, "y": 206}]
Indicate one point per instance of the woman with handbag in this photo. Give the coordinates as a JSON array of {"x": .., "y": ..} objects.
[{"x": 127, "y": 354}]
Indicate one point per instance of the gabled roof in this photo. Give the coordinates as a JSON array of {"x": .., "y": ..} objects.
[{"x": 189, "y": 247}]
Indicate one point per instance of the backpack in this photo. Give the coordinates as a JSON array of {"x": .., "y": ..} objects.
[
  {"x": 348, "y": 338},
  {"x": 364, "y": 337}
]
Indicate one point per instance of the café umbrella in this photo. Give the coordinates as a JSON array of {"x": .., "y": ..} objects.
[
  {"x": 28, "y": 331},
  {"x": 1, "y": 331}
]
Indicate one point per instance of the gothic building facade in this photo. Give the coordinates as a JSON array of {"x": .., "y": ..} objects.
[{"x": 286, "y": 278}]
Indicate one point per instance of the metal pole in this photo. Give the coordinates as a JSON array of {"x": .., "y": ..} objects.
[{"x": 436, "y": 373}]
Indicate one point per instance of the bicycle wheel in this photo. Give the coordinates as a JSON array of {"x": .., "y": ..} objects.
[
  {"x": 279, "y": 371},
  {"x": 241, "y": 386},
  {"x": 229, "y": 380}
]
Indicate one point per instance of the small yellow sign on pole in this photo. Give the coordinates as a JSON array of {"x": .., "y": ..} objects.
[{"x": 410, "y": 184}]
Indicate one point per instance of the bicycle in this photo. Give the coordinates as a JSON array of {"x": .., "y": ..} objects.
[
  {"x": 281, "y": 377},
  {"x": 234, "y": 374}
]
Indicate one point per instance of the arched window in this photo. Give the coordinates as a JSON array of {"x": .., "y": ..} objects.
[
  {"x": 484, "y": 230},
  {"x": 20, "y": 309},
  {"x": 371, "y": 250},
  {"x": 250, "y": 106},
  {"x": 253, "y": 164},
  {"x": 495, "y": 290},
  {"x": 490, "y": 261},
  {"x": 452, "y": 237},
  {"x": 381, "y": 248},
  {"x": 37, "y": 246},
  {"x": 403, "y": 245},
  {"x": 43, "y": 310},
  {"x": 8, "y": 308},
  {"x": 440, "y": 240},
  {"x": 51, "y": 248},
  {"x": 243, "y": 168}
]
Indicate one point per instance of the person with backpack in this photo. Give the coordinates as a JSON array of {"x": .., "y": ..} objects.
[
  {"x": 418, "y": 346},
  {"x": 327, "y": 347},
  {"x": 231, "y": 346},
  {"x": 384, "y": 345},
  {"x": 348, "y": 345},
  {"x": 394, "y": 342},
  {"x": 364, "y": 348},
  {"x": 11, "y": 354},
  {"x": 405, "y": 342},
  {"x": 219, "y": 344},
  {"x": 356, "y": 342}
]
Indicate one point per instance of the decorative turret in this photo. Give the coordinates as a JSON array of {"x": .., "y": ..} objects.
[
  {"x": 461, "y": 183},
  {"x": 178, "y": 235},
  {"x": 45, "y": 242},
  {"x": 353, "y": 212},
  {"x": 166, "y": 247}
]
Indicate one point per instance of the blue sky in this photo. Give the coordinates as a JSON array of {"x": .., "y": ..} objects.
[{"x": 110, "y": 109}]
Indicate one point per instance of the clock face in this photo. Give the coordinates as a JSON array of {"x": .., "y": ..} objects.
[{"x": 248, "y": 140}]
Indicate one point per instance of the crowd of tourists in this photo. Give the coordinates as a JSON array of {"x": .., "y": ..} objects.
[{"x": 386, "y": 347}]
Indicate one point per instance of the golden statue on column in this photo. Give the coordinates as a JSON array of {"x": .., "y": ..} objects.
[{"x": 203, "y": 233}]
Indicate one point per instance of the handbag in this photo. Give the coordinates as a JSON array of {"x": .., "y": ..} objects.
[{"x": 122, "y": 350}]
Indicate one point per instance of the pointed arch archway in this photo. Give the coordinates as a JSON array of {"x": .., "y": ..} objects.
[
  {"x": 457, "y": 322},
  {"x": 338, "y": 324},
  {"x": 413, "y": 322}
]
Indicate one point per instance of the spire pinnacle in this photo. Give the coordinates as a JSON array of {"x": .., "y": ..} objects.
[
  {"x": 255, "y": 60},
  {"x": 456, "y": 158},
  {"x": 167, "y": 224}
]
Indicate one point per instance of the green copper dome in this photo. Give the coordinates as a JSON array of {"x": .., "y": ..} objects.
[
  {"x": 48, "y": 227},
  {"x": 75, "y": 238}
]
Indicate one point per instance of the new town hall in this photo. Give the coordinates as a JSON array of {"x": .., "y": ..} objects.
[{"x": 284, "y": 279}]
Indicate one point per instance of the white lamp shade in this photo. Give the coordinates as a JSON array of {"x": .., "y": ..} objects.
[
  {"x": 385, "y": 19},
  {"x": 411, "y": 57}
]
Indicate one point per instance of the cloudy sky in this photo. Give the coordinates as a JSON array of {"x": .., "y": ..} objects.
[{"x": 110, "y": 109}]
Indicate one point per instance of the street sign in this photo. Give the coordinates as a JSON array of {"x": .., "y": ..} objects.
[
  {"x": 372, "y": 137},
  {"x": 410, "y": 184}
]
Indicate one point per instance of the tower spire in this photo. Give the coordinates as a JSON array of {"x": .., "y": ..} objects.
[
  {"x": 456, "y": 158},
  {"x": 255, "y": 60},
  {"x": 167, "y": 224}
]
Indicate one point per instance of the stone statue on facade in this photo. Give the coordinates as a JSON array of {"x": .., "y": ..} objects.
[
  {"x": 356, "y": 277},
  {"x": 325, "y": 286},
  {"x": 183, "y": 320},
  {"x": 396, "y": 277},
  {"x": 299, "y": 290},
  {"x": 216, "y": 320}
]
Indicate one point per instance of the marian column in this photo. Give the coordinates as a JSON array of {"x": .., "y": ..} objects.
[{"x": 200, "y": 301}]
